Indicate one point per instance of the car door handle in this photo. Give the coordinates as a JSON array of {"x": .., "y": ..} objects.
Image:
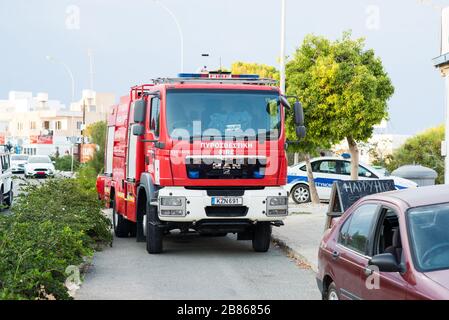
[
  {"x": 335, "y": 255},
  {"x": 368, "y": 272}
]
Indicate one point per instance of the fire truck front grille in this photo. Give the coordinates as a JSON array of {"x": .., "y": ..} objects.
[{"x": 225, "y": 169}]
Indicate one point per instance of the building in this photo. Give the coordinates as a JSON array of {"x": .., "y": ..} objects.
[{"x": 37, "y": 125}]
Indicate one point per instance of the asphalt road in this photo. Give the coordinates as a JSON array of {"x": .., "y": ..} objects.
[{"x": 194, "y": 267}]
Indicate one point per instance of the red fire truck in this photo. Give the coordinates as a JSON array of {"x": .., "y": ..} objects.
[{"x": 201, "y": 152}]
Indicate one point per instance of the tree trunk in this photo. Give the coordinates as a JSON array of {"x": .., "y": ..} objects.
[
  {"x": 354, "y": 151},
  {"x": 312, "y": 187},
  {"x": 296, "y": 160}
]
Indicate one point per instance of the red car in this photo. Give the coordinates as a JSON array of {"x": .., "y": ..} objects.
[{"x": 392, "y": 245}]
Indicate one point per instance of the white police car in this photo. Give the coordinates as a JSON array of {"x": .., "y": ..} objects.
[{"x": 326, "y": 170}]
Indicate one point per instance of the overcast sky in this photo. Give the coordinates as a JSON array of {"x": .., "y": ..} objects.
[{"x": 136, "y": 40}]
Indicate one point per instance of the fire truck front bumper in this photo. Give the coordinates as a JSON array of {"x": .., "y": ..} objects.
[{"x": 179, "y": 204}]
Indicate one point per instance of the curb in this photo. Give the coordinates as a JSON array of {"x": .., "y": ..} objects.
[{"x": 302, "y": 260}]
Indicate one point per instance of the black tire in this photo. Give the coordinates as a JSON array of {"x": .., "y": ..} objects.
[
  {"x": 9, "y": 201},
  {"x": 155, "y": 234},
  {"x": 301, "y": 194},
  {"x": 262, "y": 237},
  {"x": 121, "y": 225},
  {"x": 332, "y": 292}
]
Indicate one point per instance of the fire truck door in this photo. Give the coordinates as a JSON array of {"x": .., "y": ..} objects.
[{"x": 131, "y": 177}]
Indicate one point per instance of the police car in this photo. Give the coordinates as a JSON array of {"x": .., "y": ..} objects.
[{"x": 326, "y": 170}]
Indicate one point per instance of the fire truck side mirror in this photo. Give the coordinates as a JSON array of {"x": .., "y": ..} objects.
[
  {"x": 138, "y": 130},
  {"x": 301, "y": 132},
  {"x": 140, "y": 108},
  {"x": 299, "y": 114},
  {"x": 285, "y": 102}
]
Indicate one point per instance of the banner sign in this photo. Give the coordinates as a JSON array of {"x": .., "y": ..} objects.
[
  {"x": 87, "y": 152},
  {"x": 41, "y": 139},
  {"x": 2, "y": 139}
]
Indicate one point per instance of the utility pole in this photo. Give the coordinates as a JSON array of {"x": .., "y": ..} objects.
[{"x": 283, "y": 37}]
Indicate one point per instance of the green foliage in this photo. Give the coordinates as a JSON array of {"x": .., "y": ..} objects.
[
  {"x": 263, "y": 70},
  {"x": 97, "y": 134},
  {"x": 423, "y": 149},
  {"x": 52, "y": 226},
  {"x": 65, "y": 163},
  {"x": 343, "y": 87}
]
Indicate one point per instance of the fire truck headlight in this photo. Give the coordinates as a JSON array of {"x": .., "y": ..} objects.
[
  {"x": 277, "y": 201},
  {"x": 172, "y": 201}
]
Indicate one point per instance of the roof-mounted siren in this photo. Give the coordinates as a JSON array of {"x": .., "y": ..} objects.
[{"x": 218, "y": 75}]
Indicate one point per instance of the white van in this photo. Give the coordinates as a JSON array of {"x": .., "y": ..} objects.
[{"x": 6, "y": 184}]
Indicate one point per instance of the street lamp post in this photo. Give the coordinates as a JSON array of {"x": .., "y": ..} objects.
[
  {"x": 69, "y": 71},
  {"x": 178, "y": 25},
  {"x": 72, "y": 78},
  {"x": 283, "y": 37}
]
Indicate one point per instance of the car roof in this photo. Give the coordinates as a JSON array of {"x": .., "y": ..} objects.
[{"x": 415, "y": 197}]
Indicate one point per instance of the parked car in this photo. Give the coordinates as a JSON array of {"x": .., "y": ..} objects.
[
  {"x": 326, "y": 170},
  {"x": 6, "y": 183},
  {"x": 392, "y": 245},
  {"x": 39, "y": 167},
  {"x": 18, "y": 162}
]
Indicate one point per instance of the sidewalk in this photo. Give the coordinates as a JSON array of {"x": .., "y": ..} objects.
[{"x": 302, "y": 232}]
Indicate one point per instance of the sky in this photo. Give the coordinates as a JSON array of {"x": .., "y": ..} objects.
[{"x": 134, "y": 41}]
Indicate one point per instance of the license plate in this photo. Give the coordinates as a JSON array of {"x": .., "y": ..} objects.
[
  {"x": 227, "y": 201},
  {"x": 40, "y": 173}
]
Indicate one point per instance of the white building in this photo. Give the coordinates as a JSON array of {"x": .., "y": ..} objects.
[{"x": 38, "y": 125}]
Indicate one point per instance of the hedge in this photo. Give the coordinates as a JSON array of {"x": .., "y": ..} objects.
[{"x": 52, "y": 226}]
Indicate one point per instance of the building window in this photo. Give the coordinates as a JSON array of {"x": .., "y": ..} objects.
[
  {"x": 33, "y": 125},
  {"x": 46, "y": 125},
  {"x": 79, "y": 125},
  {"x": 58, "y": 125},
  {"x": 19, "y": 126},
  {"x": 92, "y": 108}
]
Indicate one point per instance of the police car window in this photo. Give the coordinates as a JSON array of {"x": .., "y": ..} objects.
[
  {"x": 356, "y": 232},
  {"x": 303, "y": 168},
  {"x": 328, "y": 167}
]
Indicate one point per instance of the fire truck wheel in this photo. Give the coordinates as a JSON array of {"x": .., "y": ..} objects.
[
  {"x": 121, "y": 225},
  {"x": 262, "y": 237},
  {"x": 154, "y": 232}
]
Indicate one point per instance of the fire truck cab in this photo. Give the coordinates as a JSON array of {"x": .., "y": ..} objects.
[{"x": 201, "y": 152}]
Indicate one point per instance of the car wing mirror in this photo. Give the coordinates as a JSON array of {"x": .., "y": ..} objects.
[{"x": 386, "y": 262}]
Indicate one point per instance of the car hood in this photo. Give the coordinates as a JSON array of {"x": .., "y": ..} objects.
[
  {"x": 17, "y": 162},
  {"x": 441, "y": 277},
  {"x": 33, "y": 166}
]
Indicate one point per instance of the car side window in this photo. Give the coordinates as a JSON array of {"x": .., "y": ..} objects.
[
  {"x": 303, "y": 168},
  {"x": 328, "y": 167},
  {"x": 356, "y": 231}
]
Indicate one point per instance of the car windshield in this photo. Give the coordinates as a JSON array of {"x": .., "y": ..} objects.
[
  {"x": 19, "y": 158},
  {"x": 204, "y": 114},
  {"x": 39, "y": 160},
  {"x": 429, "y": 235}
]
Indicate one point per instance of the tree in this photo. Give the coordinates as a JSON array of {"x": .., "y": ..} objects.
[
  {"x": 263, "y": 70},
  {"x": 300, "y": 74},
  {"x": 345, "y": 85},
  {"x": 423, "y": 149},
  {"x": 97, "y": 134}
]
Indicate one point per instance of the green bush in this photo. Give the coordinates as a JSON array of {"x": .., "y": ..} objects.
[
  {"x": 423, "y": 149},
  {"x": 65, "y": 163},
  {"x": 52, "y": 226}
]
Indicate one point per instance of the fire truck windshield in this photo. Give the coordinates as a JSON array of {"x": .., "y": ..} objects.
[{"x": 203, "y": 114}]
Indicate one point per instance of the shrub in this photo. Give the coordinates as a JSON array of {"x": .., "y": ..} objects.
[
  {"x": 52, "y": 226},
  {"x": 65, "y": 163}
]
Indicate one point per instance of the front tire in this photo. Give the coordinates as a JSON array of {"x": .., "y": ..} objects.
[
  {"x": 332, "y": 292},
  {"x": 301, "y": 194},
  {"x": 262, "y": 237},
  {"x": 121, "y": 225},
  {"x": 154, "y": 234}
]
